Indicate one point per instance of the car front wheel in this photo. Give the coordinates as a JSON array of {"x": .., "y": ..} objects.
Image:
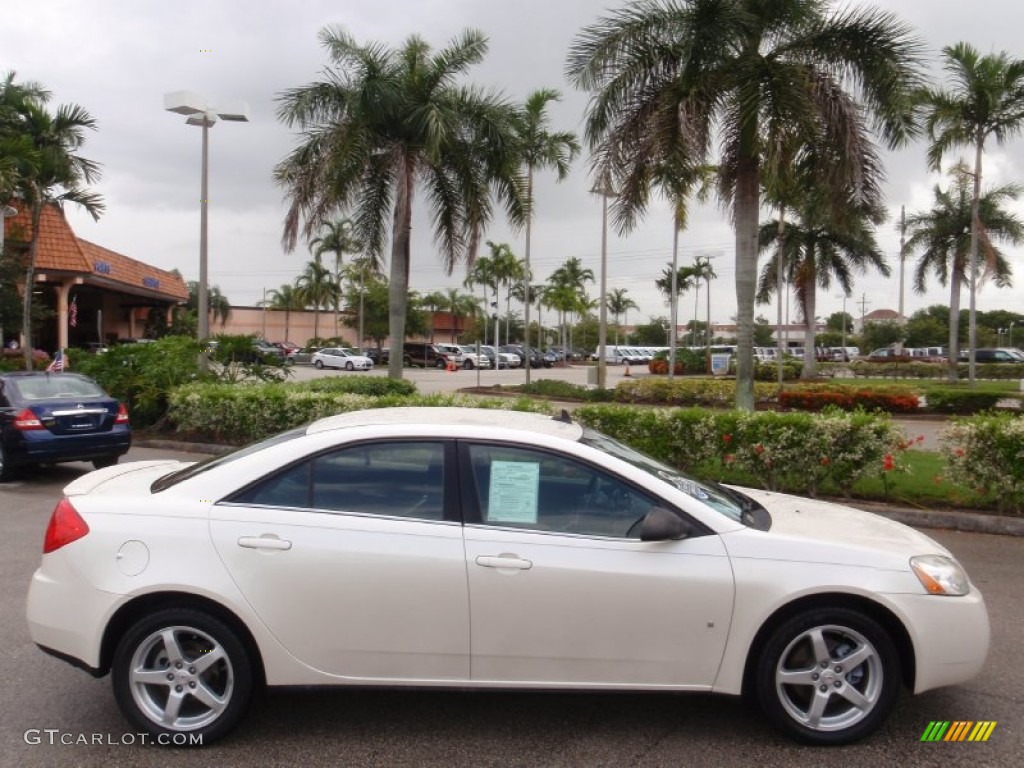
[
  {"x": 828, "y": 676},
  {"x": 349, "y": 367},
  {"x": 319, "y": 365},
  {"x": 182, "y": 674},
  {"x": 468, "y": 365},
  {"x": 441, "y": 363}
]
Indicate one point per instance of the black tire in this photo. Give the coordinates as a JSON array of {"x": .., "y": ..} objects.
[
  {"x": 841, "y": 632},
  {"x": 106, "y": 461},
  {"x": 349, "y": 367},
  {"x": 319, "y": 365},
  {"x": 468, "y": 365},
  {"x": 407, "y": 361},
  {"x": 7, "y": 472},
  {"x": 199, "y": 637},
  {"x": 441, "y": 363}
]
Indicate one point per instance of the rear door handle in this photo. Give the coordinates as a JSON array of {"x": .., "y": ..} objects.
[
  {"x": 503, "y": 561},
  {"x": 263, "y": 542}
]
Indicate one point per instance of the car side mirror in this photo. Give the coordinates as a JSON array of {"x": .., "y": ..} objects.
[{"x": 660, "y": 524}]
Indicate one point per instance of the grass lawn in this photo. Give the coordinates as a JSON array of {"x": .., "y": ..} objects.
[{"x": 1009, "y": 386}]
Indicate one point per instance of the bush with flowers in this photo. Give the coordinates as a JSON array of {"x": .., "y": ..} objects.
[
  {"x": 986, "y": 453},
  {"x": 795, "y": 452},
  {"x": 814, "y": 397},
  {"x": 687, "y": 392}
]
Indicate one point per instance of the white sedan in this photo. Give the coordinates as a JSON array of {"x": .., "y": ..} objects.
[
  {"x": 339, "y": 357},
  {"x": 487, "y": 549}
]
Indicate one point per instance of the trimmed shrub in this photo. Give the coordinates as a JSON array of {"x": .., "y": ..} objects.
[
  {"x": 360, "y": 385},
  {"x": 963, "y": 401},
  {"x": 815, "y": 397},
  {"x": 770, "y": 371},
  {"x": 986, "y": 453},
  {"x": 564, "y": 390},
  {"x": 685, "y": 392}
]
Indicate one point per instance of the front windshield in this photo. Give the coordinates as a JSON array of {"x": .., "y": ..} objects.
[{"x": 733, "y": 504}]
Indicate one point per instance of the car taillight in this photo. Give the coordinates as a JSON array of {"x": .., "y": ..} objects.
[
  {"x": 66, "y": 526},
  {"x": 27, "y": 420},
  {"x": 122, "y": 414}
]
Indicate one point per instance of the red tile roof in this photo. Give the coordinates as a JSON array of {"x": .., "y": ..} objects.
[{"x": 61, "y": 250}]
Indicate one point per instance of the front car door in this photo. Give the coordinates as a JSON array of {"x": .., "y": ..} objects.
[
  {"x": 563, "y": 592},
  {"x": 353, "y": 559}
]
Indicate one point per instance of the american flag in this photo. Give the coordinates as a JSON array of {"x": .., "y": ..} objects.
[
  {"x": 58, "y": 363},
  {"x": 73, "y": 312}
]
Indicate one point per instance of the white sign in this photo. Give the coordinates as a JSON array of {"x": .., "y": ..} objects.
[{"x": 513, "y": 492}]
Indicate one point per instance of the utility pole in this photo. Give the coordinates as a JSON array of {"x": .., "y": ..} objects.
[
  {"x": 903, "y": 253},
  {"x": 863, "y": 310}
]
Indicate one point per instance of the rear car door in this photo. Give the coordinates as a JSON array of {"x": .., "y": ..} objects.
[{"x": 354, "y": 560}]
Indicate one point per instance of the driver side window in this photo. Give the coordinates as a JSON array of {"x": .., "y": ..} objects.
[{"x": 536, "y": 490}]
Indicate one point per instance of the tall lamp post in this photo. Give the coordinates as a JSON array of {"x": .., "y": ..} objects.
[
  {"x": 200, "y": 113},
  {"x": 604, "y": 189}
]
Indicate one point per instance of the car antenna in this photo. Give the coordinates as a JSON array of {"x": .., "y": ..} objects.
[{"x": 563, "y": 417}]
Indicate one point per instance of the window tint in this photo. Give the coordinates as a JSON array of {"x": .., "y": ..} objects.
[
  {"x": 401, "y": 479},
  {"x": 522, "y": 488},
  {"x": 289, "y": 488}
]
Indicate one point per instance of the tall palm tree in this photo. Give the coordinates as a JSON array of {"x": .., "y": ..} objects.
[
  {"x": 985, "y": 100},
  {"x": 665, "y": 73},
  {"x": 335, "y": 238},
  {"x": 482, "y": 273},
  {"x": 458, "y": 305},
  {"x": 316, "y": 287},
  {"x": 942, "y": 235},
  {"x": 539, "y": 148},
  {"x": 359, "y": 272},
  {"x": 385, "y": 122},
  {"x": 674, "y": 282},
  {"x": 49, "y": 170},
  {"x": 285, "y": 298},
  {"x": 619, "y": 304},
  {"x": 816, "y": 248},
  {"x": 570, "y": 281},
  {"x": 702, "y": 270},
  {"x": 433, "y": 302},
  {"x": 508, "y": 270}
]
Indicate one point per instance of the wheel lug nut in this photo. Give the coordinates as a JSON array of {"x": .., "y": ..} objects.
[
  {"x": 815, "y": 676},
  {"x": 824, "y": 665},
  {"x": 839, "y": 683},
  {"x": 178, "y": 665},
  {"x": 178, "y": 688},
  {"x": 193, "y": 684},
  {"x": 192, "y": 670},
  {"x": 823, "y": 689},
  {"x": 838, "y": 668},
  {"x": 170, "y": 676}
]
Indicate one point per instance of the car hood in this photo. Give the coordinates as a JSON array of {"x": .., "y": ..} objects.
[{"x": 822, "y": 531}]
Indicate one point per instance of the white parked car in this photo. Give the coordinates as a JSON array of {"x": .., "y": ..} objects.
[
  {"x": 505, "y": 359},
  {"x": 470, "y": 358},
  {"x": 446, "y": 547},
  {"x": 339, "y": 357}
]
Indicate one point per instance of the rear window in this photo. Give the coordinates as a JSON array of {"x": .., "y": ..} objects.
[{"x": 59, "y": 386}]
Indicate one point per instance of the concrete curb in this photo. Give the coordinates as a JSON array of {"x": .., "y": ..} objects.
[{"x": 972, "y": 522}]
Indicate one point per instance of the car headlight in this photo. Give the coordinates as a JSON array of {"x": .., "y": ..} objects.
[{"x": 940, "y": 575}]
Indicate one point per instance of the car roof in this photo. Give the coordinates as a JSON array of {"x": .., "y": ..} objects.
[{"x": 447, "y": 417}]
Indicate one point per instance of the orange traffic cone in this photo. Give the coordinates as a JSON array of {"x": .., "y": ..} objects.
[{"x": 451, "y": 367}]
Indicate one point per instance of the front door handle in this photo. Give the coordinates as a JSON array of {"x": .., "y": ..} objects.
[
  {"x": 263, "y": 542},
  {"x": 504, "y": 561}
]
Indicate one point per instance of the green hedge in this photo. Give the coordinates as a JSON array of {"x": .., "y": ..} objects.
[
  {"x": 916, "y": 370},
  {"x": 564, "y": 390},
  {"x": 794, "y": 452},
  {"x": 962, "y": 401},
  {"x": 986, "y": 453},
  {"x": 241, "y": 413},
  {"x": 719, "y": 393}
]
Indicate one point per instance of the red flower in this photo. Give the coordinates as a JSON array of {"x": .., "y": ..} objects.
[
  {"x": 758, "y": 449},
  {"x": 824, "y": 461},
  {"x": 726, "y": 438},
  {"x": 729, "y": 458},
  {"x": 959, "y": 452},
  {"x": 887, "y": 463},
  {"x": 919, "y": 439}
]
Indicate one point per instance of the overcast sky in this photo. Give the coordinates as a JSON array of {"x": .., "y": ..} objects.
[{"x": 117, "y": 58}]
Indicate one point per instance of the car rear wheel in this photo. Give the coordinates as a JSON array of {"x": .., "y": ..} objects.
[
  {"x": 468, "y": 365},
  {"x": 441, "y": 363},
  {"x": 828, "y": 676},
  {"x": 182, "y": 671},
  {"x": 106, "y": 461},
  {"x": 319, "y": 365},
  {"x": 6, "y": 470},
  {"x": 349, "y": 367}
]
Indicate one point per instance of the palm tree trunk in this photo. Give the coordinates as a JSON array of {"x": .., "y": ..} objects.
[
  {"x": 399, "y": 289},
  {"x": 30, "y": 276},
  {"x": 674, "y": 292},
  {"x": 954, "y": 321},
  {"x": 809, "y": 307},
  {"x": 780, "y": 280},
  {"x": 746, "y": 272},
  {"x": 287, "y": 323},
  {"x": 972, "y": 322},
  {"x": 526, "y": 275}
]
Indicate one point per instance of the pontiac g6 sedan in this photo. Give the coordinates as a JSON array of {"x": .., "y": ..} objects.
[{"x": 488, "y": 549}]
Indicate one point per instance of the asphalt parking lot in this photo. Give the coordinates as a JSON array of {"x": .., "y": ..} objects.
[{"x": 45, "y": 700}]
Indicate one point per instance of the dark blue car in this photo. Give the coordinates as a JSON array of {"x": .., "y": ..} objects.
[{"x": 56, "y": 417}]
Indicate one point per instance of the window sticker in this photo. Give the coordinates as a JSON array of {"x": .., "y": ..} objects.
[{"x": 513, "y": 492}]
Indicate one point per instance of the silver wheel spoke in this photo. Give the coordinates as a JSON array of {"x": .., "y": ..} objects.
[
  {"x": 171, "y": 647},
  {"x": 855, "y": 697},
  {"x": 858, "y": 657},
  {"x": 173, "y": 707},
  {"x": 818, "y": 704},
  {"x": 207, "y": 660},
  {"x": 150, "y": 677},
  {"x": 795, "y": 677},
  {"x": 209, "y": 698},
  {"x": 817, "y": 638}
]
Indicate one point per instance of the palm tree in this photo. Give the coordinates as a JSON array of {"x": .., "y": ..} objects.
[
  {"x": 482, "y": 274},
  {"x": 48, "y": 170},
  {"x": 702, "y": 270},
  {"x": 433, "y": 302},
  {"x": 665, "y": 73},
  {"x": 508, "y": 270},
  {"x": 384, "y": 122},
  {"x": 943, "y": 237},
  {"x": 287, "y": 298},
  {"x": 316, "y": 286},
  {"x": 359, "y": 272},
  {"x": 817, "y": 247},
  {"x": 335, "y": 238},
  {"x": 458, "y": 305},
  {"x": 619, "y": 304},
  {"x": 674, "y": 282},
  {"x": 539, "y": 148},
  {"x": 986, "y": 100},
  {"x": 570, "y": 281}
]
